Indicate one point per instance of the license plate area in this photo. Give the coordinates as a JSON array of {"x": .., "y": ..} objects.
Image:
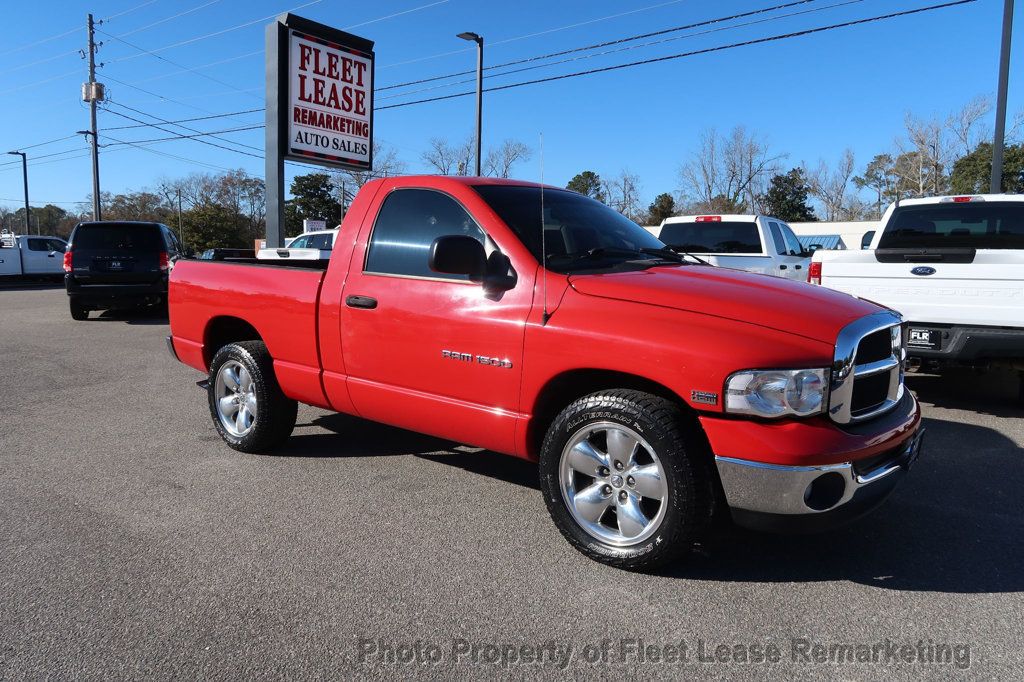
[{"x": 929, "y": 339}]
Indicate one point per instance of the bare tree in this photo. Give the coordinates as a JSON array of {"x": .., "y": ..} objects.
[
  {"x": 385, "y": 164},
  {"x": 623, "y": 194},
  {"x": 829, "y": 186},
  {"x": 925, "y": 154},
  {"x": 729, "y": 171},
  {"x": 966, "y": 124},
  {"x": 447, "y": 159},
  {"x": 499, "y": 161}
]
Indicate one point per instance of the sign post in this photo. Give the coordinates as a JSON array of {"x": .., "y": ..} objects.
[{"x": 319, "y": 105}]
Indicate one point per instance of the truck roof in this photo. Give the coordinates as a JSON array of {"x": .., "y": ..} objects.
[
  {"x": 467, "y": 180},
  {"x": 715, "y": 217},
  {"x": 961, "y": 198}
]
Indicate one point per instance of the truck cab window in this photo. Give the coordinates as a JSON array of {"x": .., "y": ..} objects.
[{"x": 408, "y": 223}]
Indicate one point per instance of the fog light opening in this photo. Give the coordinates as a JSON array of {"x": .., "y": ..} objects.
[{"x": 825, "y": 491}]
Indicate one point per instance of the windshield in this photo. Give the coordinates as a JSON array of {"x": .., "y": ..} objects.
[
  {"x": 119, "y": 236},
  {"x": 724, "y": 236},
  {"x": 573, "y": 225},
  {"x": 974, "y": 225}
]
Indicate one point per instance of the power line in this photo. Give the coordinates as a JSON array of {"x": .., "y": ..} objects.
[
  {"x": 180, "y": 66},
  {"x": 170, "y": 156},
  {"x": 194, "y": 136},
  {"x": 180, "y": 120},
  {"x": 215, "y": 33},
  {"x": 626, "y": 48},
  {"x": 166, "y": 19},
  {"x": 197, "y": 137},
  {"x": 534, "y": 35},
  {"x": 604, "y": 44},
  {"x": 191, "y": 130},
  {"x": 693, "y": 53},
  {"x": 42, "y": 144},
  {"x": 195, "y": 69},
  {"x": 42, "y": 41},
  {"x": 161, "y": 97}
]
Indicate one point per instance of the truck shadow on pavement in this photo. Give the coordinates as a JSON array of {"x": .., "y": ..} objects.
[
  {"x": 354, "y": 437},
  {"x": 994, "y": 393},
  {"x": 954, "y": 525},
  {"x": 141, "y": 316}
]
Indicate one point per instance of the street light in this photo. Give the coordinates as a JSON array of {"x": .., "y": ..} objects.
[
  {"x": 24, "y": 172},
  {"x": 473, "y": 37},
  {"x": 95, "y": 173}
]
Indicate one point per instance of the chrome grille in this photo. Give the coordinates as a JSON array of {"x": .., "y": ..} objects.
[{"x": 867, "y": 372}]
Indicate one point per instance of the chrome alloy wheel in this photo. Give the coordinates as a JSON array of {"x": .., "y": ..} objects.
[
  {"x": 613, "y": 484},
  {"x": 235, "y": 394}
]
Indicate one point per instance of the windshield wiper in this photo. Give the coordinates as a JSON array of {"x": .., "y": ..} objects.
[
  {"x": 664, "y": 253},
  {"x": 681, "y": 251}
]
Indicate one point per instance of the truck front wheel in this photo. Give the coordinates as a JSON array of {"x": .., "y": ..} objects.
[
  {"x": 248, "y": 408},
  {"x": 626, "y": 479}
]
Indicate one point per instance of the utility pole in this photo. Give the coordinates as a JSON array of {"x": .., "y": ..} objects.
[
  {"x": 28, "y": 211},
  {"x": 92, "y": 92},
  {"x": 1004, "y": 80},
  {"x": 181, "y": 230}
]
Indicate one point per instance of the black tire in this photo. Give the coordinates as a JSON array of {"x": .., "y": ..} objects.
[
  {"x": 684, "y": 457},
  {"x": 276, "y": 414},
  {"x": 78, "y": 311}
]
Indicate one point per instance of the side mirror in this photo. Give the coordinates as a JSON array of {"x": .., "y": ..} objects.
[{"x": 458, "y": 255}]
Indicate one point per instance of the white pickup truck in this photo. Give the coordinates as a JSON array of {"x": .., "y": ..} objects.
[
  {"x": 31, "y": 256},
  {"x": 753, "y": 243},
  {"x": 954, "y": 267},
  {"x": 307, "y": 246}
]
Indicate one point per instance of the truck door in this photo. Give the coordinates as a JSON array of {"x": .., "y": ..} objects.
[
  {"x": 42, "y": 255},
  {"x": 789, "y": 262},
  {"x": 431, "y": 352}
]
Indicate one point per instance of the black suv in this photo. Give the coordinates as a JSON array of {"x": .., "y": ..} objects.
[{"x": 118, "y": 264}]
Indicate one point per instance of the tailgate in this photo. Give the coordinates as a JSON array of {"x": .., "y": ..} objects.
[
  {"x": 108, "y": 266},
  {"x": 987, "y": 292}
]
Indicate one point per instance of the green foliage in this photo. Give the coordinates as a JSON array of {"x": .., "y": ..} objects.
[
  {"x": 313, "y": 198},
  {"x": 213, "y": 226},
  {"x": 663, "y": 206},
  {"x": 786, "y": 197},
  {"x": 587, "y": 183},
  {"x": 972, "y": 174}
]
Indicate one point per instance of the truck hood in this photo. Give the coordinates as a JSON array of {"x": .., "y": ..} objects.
[{"x": 797, "y": 308}]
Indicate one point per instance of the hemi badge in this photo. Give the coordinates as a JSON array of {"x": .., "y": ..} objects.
[{"x": 704, "y": 397}]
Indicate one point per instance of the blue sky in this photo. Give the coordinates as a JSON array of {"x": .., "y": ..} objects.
[{"x": 810, "y": 97}]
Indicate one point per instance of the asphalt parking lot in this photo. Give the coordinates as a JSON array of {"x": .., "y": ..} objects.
[{"x": 134, "y": 543}]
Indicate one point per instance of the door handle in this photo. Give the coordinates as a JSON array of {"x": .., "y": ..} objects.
[
  {"x": 366, "y": 302},
  {"x": 782, "y": 267},
  {"x": 798, "y": 266},
  {"x": 51, "y": 255}
]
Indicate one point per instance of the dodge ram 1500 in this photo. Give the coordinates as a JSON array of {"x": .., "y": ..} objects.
[{"x": 653, "y": 391}]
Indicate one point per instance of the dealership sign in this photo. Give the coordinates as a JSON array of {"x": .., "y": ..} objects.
[
  {"x": 330, "y": 95},
  {"x": 319, "y": 104},
  {"x": 324, "y": 80}
]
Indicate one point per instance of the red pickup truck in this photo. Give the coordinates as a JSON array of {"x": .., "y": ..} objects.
[{"x": 653, "y": 390}]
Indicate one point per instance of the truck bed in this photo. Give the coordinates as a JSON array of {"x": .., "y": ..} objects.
[{"x": 279, "y": 299}]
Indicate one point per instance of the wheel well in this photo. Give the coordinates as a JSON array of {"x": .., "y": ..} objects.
[
  {"x": 567, "y": 387},
  {"x": 224, "y": 330}
]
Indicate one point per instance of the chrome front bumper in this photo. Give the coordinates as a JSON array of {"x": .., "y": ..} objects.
[{"x": 777, "y": 497}]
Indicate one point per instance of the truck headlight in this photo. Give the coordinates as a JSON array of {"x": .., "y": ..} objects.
[{"x": 777, "y": 392}]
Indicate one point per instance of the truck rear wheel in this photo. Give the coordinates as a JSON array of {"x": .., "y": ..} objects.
[
  {"x": 626, "y": 480},
  {"x": 249, "y": 410},
  {"x": 78, "y": 311}
]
